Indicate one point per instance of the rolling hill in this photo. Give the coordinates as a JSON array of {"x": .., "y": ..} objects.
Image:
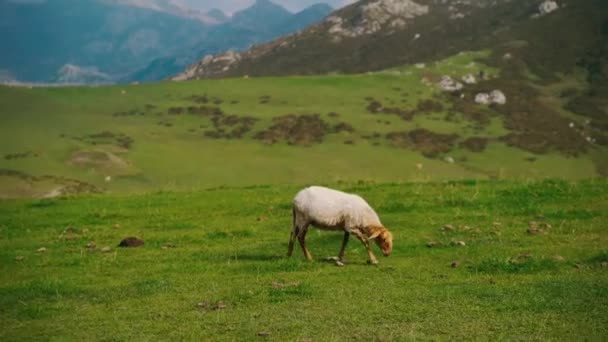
[{"x": 389, "y": 126}]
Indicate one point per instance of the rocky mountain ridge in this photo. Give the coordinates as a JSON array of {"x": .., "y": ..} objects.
[{"x": 355, "y": 38}]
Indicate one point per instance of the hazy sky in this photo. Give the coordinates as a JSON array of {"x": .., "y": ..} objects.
[{"x": 230, "y": 6}]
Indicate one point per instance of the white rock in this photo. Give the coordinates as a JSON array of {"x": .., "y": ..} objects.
[
  {"x": 547, "y": 7},
  {"x": 449, "y": 84},
  {"x": 498, "y": 97},
  {"x": 449, "y": 160},
  {"x": 571, "y": 125},
  {"x": 469, "y": 79},
  {"x": 420, "y": 65},
  {"x": 482, "y": 98}
]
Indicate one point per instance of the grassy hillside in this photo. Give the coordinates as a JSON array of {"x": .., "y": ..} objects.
[
  {"x": 213, "y": 266},
  {"x": 389, "y": 126}
]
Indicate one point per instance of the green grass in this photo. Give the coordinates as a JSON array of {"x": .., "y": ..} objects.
[
  {"x": 230, "y": 244},
  {"x": 46, "y": 121}
]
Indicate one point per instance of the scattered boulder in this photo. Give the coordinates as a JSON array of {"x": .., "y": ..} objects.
[
  {"x": 469, "y": 79},
  {"x": 19, "y": 258},
  {"x": 547, "y": 7},
  {"x": 131, "y": 242},
  {"x": 91, "y": 245},
  {"x": 458, "y": 243},
  {"x": 449, "y": 84},
  {"x": 455, "y": 264},
  {"x": 448, "y": 228},
  {"x": 106, "y": 249},
  {"x": 432, "y": 244},
  {"x": 496, "y": 97},
  {"x": 482, "y": 98},
  {"x": 41, "y": 250}
]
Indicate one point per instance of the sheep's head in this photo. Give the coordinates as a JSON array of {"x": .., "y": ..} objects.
[{"x": 384, "y": 240}]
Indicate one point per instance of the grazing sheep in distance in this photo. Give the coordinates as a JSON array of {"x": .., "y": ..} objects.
[{"x": 330, "y": 209}]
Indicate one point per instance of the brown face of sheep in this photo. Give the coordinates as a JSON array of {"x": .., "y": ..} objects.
[{"x": 384, "y": 240}]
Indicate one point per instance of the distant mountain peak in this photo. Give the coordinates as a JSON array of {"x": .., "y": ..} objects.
[
  {"x": 217, "y": 14},
  {"x": 172, "y": 7}
]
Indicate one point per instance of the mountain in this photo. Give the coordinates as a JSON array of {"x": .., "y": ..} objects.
[
  {"x": 547, "y": 76},
  {"x": 127, "y": 40},
  {"x": 262, "y": 16},
  {"x": 217, "y": 15},
  {"x": 305, "y": 18},
  {"x": 112, "y": 39},
  {"x": 247, "y": 27},
  {"x": 173, "y": 7},
  {"x": 377, "y": 34}
]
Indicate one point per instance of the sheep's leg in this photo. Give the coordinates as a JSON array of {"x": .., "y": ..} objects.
[
  {"x": 339, "y": 260},
  {"x": 294, "y": 232},
  {"x": 372, "y": 259},
  {"x": 292, "y": 241},
  {"x": 344, "y": 242},
  {"x": 302, "y": 240}
]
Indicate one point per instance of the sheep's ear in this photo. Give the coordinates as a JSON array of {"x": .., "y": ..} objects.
[{"x": 376, "y": 234}]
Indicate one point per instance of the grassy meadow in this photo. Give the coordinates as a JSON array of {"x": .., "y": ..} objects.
[
  {"x": 213, "y": 266},
  {"x": 143, "y": 137},
  {"x": 499, "y": 223}
]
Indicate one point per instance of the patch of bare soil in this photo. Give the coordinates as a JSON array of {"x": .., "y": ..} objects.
[
  {"x": 131, "y": 242},
  {"x": 45, "y": 186},
  {"x": 303, "y": 130},
  {"x": 475, "y": 144},
  {"x": 429, "y": 143},
  {"x": 105, "y": 161}
]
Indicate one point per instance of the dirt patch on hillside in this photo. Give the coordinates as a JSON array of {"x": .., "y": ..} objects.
[
  {"x": 103, "y": 161},
  {"x": 429, "y": 143},
  {"x": 16, "y": 184},
  {"x": 475, "y": 144},
  {"x": 303, "y": 130}
]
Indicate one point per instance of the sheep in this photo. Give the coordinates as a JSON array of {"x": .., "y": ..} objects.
[{"x": 330, "y": 209}]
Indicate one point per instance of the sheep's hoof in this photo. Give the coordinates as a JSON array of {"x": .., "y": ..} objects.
[
  {"x": 336, "y": 260},
  {"x": 372, "y": 262}
]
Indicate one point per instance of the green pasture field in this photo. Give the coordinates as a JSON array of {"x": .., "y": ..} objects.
[
  {"x": 213, "y": 266},
  {"x": 46, "y": 135}
]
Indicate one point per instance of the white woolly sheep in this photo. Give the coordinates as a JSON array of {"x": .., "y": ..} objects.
[{"x": 330, "y": 209}]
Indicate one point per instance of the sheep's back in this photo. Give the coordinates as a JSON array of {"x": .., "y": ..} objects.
[{"x": 330, "y": 207}]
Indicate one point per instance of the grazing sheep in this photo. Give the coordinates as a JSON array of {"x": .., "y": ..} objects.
[{"x": 330, "y": 209}]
